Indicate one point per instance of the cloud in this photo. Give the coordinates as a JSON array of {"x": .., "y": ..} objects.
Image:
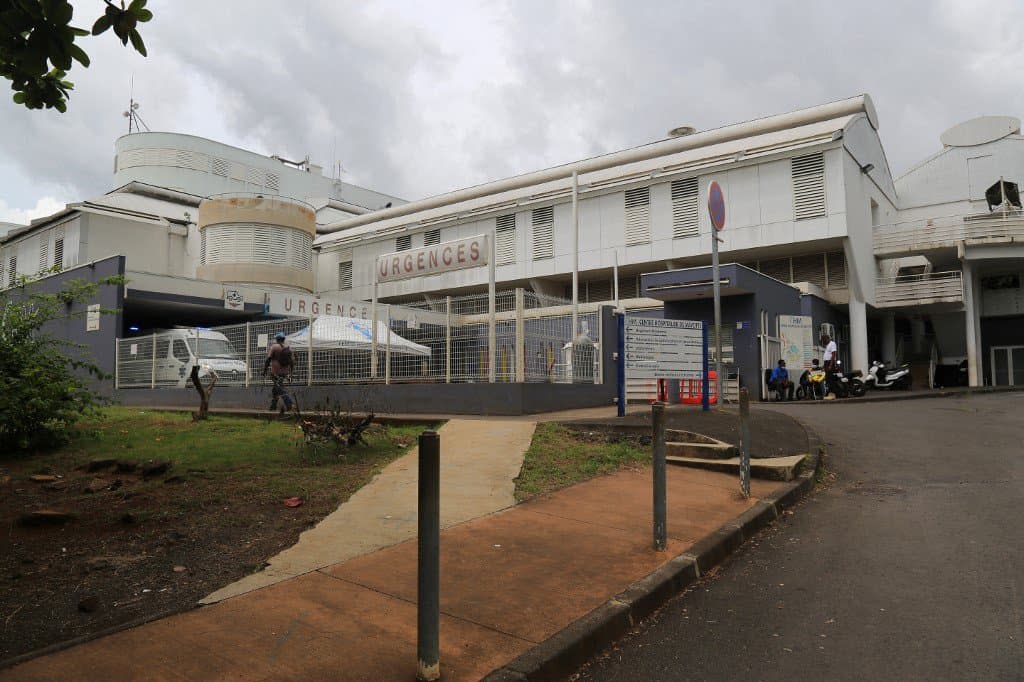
[
  {"x": 44, "y": 206},
  {"x": 420, "y": 98}
]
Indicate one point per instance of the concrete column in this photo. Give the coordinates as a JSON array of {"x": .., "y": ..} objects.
[
  {"x": 858, "y": 334},
  {"x": 888, "y": 338},
  {"x": 917, "y": 331},
  {"x": 971, "y": 325}
]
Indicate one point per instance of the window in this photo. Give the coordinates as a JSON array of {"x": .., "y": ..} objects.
[
  {"x": 403, "y": 243},
  {"x": 58, "y": 250},
  {"x": 544, "y": 233},
  {"x": 345, "y": 275},
  {"x": 220, "y": 167},
  {"x": 505, "y": 239},
  {"x": 431, "y": 237},
  {"x": 12, "y": 271},
  {"x": 162, "y": 346},
  {"x": 180, "y": 351},
  {"x": 808, "y": 175},
  {"x": 835, "y": 270},
  {"x": 685, "y": 212},
  {"x": 638, "y": 216}
]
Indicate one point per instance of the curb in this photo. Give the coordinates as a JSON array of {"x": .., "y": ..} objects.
[{"x": 562, "y": 654}]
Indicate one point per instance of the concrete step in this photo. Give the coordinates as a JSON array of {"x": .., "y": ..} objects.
[
  {"x": 716, "y": 450},
  {"x": 772, "y": 468}
]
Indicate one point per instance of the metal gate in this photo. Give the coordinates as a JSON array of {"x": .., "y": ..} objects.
[{"x": 771, "y": 353}]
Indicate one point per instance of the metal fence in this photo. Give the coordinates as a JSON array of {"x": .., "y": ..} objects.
[{"x": 441, "y": 341}]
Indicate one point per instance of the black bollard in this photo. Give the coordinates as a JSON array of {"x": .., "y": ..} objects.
[
  {"x": 428, "y": 614},
  {"x": 658, "y": 423},
  {"x": 745, "y": 442}
]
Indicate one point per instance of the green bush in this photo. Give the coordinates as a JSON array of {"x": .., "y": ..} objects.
[{"x": 45, "y": 379}]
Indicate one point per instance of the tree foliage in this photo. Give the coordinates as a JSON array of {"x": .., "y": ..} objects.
[
  {"x": 45, "y": 379},
  {"x": 37, "y": 45}
]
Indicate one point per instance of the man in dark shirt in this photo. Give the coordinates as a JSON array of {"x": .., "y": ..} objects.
[{"x": 279, "y": 361}]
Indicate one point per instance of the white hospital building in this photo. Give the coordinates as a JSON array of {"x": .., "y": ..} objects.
[{"x": 924, "y": 267}]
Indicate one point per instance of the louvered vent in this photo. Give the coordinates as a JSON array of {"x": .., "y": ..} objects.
[
  {"x": 44, "y": 252},
  {"x": 220, "y": 167},
  {"x": 256, "y": 244},
  {"x": 431, "y": 237},
  {"x": 685, "y": 211},
  {"x": 836, "y": 268},
  {"x": 638, "y": 216},
  {"x": 12, "y": 271},
  {"x": 58, "y": 249},
  {"x": 808, "y": 174},
  {"x": 505, "y": 239},
  {"x": 777, "y": 269},
  {"x": 273, "y": 182},
  {"x": 345, "y": 275},
  {"x": 810, "y": 269},
  {"x": 629, "y": 286},
  {"x": 599, "y": 290},
  {"x": 202, "y": 247},
  {"x": 403, "y": 243},
  {"x": 543, "y": 233}
]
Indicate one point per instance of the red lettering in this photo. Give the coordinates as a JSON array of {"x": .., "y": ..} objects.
[
  {"x": 314, "y": 308},
  {"x": 352, "y": 311},
  {"x": 474, "y": 251},
  {"x": 432, "y": 258},
  {"x": 446, "y": 255},
  {"x": 287, "y": 304},
  {"x": 396, "y": 265},
  {"x": 462, "y": 253},
  {"x": 327, "y": 308},
  {"x": 363, "y": 314},
  {"x": 302, "y": 305},
  {"x": 408, "y": 263},
  {"x": 419, "y": 260},
  {"x": 382, "y": 266}
]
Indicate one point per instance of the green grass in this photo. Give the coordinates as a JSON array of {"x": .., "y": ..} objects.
[
  {"x": 256, "y": 458},
  {"x": 559, "y": 457}
]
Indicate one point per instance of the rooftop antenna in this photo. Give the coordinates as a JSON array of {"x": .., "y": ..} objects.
[{"x": 132, "y": 114}]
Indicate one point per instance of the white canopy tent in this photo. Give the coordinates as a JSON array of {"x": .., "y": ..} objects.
[{"x": 333, "y": 332}]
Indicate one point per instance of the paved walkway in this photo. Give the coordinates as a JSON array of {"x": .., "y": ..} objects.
[
  {"x": 480, "y": 459},
  {"x": 509, "y": 580}
]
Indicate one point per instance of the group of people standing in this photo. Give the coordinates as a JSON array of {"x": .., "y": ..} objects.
[{"x": 780, "y": 381}]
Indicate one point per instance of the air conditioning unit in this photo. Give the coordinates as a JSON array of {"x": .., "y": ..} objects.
[{"x": 827, "y": 329}]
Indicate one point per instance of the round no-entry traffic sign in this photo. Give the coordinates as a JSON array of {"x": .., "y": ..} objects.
[{"x": 716, "y": 206}]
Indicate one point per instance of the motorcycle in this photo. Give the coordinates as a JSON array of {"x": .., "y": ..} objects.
[
  {"x": 812, "y": 385},
  {"x": 854, "y": 383},
  {"x": 892, "y": 378}
]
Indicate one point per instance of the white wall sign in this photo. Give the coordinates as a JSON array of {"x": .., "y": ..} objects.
[
  {"x": 262, "y": 340},
  {"x": 797, "y": 334},
  {"x": 234, "y": 299},
  {"x": 133, "y": 349},
  {"x": 664, "y": 349},
  {"x": 92, "y": 318},
  {"x": 459, "y": 254},
  {"x": 297, "y": 304}
]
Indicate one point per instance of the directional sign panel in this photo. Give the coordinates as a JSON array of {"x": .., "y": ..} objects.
[{"x": 664, "y": 349}]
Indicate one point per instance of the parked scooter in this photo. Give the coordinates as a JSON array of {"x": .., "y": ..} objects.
[
  {"x": 812, "y": 384},
  {"x": 893, "y": 378},
  {"x": 854, "y": 383}
]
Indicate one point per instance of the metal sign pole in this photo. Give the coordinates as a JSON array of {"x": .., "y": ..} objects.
[
  {"x": 718, "y": 317},
  {"x": 621, "y": 367},
  {"x": 492, "y": 335},
  {"x": 373, "y": 334}
]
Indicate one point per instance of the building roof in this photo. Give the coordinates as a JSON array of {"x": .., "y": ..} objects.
[{"x": 719, "y": 147}]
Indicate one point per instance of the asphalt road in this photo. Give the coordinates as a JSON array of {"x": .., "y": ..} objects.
[{"x": 908, "y": 566}]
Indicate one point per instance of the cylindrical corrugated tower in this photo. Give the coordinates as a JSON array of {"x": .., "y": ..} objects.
[{"x": 253, "y": 239}]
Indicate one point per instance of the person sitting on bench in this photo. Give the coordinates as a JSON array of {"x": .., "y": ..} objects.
[{"x": 780, "y": 382}]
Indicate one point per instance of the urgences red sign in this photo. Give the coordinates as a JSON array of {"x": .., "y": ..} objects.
[{"x": 459, "y": 254}]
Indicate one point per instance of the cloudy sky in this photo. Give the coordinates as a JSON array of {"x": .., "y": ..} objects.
[{"x": 416, "y": 98}]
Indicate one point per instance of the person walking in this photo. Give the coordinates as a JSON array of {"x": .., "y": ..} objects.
[
  {"x": 779, "y": 381},
  {"x": 279, "y": 361},
  {"x": 829, "y": 361}
]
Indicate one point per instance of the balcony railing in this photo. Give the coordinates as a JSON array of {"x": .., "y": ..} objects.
[
  {"x": 928, "y": 234},
  {"x": 905, "y": 290}
]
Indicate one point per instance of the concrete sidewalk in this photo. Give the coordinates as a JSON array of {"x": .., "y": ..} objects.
[
  {"x": 510, "y": 580},
  {"x": 479, "y": 463}
]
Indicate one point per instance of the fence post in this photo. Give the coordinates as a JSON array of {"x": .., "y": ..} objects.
[
  {"x": 117, "y": 363},
  {"x": 492, "y": 312},
  {"x": 448, "y": 341},
  {"x": 387, "y": 350},
  {"x": 152, "y": 352},
  {"x": 658, "y": 423},
  {"x": 745, "y": 442},
  {"x": 519, "y": 356},
  {"x": 309, "y": 355},
  {"x": 248, "y": 343},
  {"x": 428, "y": 549}
]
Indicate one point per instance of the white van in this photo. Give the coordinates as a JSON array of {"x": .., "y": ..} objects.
[{"x": 177, "y": 350}]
